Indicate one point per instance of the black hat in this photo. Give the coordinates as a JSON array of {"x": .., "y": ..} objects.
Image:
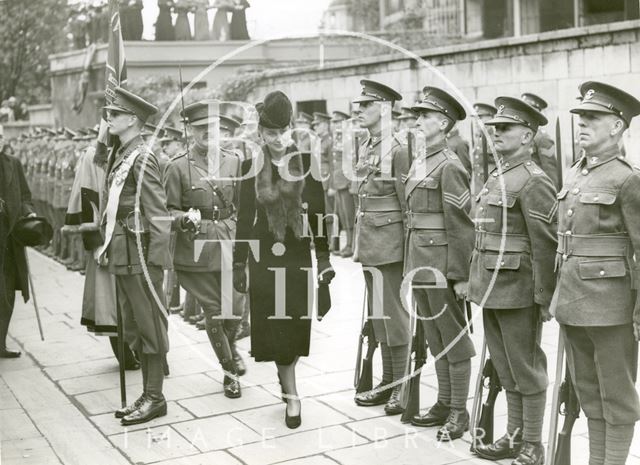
[
  {"x": 603, "y": 98},
  {"x": 128, "y": 102},
  {"x": 515, "y": 111},
  {"x": 276, "y": 111},
  {"x": 206, "y": 112},
  {"x": 484, "y": 109},
  {"x": 339, "y": 116},
  {"x": 535, "y": 101},
  {"x": 373, "y": 91},
  {"x": 436, "y": 99},
  {"x": 319, "y": 117},
  {"x": 407, "y": 113},
  {"x": 32, "y": 231}
]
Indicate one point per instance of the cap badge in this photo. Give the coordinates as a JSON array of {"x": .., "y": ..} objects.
[
  {"x": 589, "y": 94},
  {"x": 501, "y": 109}
]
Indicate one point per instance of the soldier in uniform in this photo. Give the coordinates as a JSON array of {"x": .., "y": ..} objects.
[
  {"x": 407, "y": 118},
  {"x": 460, "y": 147},
  {"x": 485, "y": 112},
  {"x": 596, "y": 298},
  {"x": 440, "y": 235},
  {"x": 190, "y": 188},
  {"x": 344, "y": 202},
  {"x": 133, "y": 177},
  {"x": 380, "y": 237},
  {"x": 543, "y": 146},
  {"x": 321, "y": 125},
  {"x": 518, "y": 302}
]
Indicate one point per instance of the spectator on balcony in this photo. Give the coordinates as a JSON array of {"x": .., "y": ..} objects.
[
  {"x": 201, "y": 20},
  {"x": 6, "y": 112},
  {"x": 164, "y": 25},
  {"x": 239, "y": 21},
  {"x": 183, "y": 28},
  {"x": 220, "y": 29},
  {"x": 131, "y": 19}
]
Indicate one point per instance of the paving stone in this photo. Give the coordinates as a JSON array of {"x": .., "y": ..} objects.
[
  {"x": 208, "y": 458},
  {"x": 215, "y": 433},
  {"x": 153, "y": 444},
  {"x": 34, "y": 451},
  {"x": 109, "y": 425},
  {"x": 183, "y": 387},
  {"x": 15, "y": 424},
  {"x": 270, "y": 420},
  {"x": 319, "y": 385},
  {"x": 297, "y": 445},
  {"x": 376, "y": 429},
  {"x": 314, "y": 460},
  {"x": 108, "y": 400},
  {"x": 82, "y": 384},
  {"x": 216, "y": 404},
  {"x": 90, "y": 367},
  {"x": 7, "y": 399}
]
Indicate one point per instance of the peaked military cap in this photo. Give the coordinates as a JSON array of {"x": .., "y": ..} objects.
[
  {"x": 205, "y": 112},
  {"x": 128, "y": 102},
  {"x": 373, "y": 91},
  {"x": 319, "y": 117},
  {"x": 233, "y": 110},
  {"x": 515, "y": 111},
  {"x": 408, "y": 113},
  {"x": 171, "y": 134},
  {"x": 535, "y": 101},
  {"x": 339, "y": 116},
  {"x": 304, "y": 118},
  {"x": 436, "y": 99},
  {"x": 603, "y": 98},
  {"x": 149, "y": 129},
  {"x": 485, "y": 109}
]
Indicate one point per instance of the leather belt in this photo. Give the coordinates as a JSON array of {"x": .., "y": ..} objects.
[
  {"x": 593, "y": 245},
  {"x": 124, "y": 212},
  {"x": 513, "y": 242},
  {"x": 380, "y": 204},
  {"x": 213, "y": 214},
  {"x": 425, "y": 220}
]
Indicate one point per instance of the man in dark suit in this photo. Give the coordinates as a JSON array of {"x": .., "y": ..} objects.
[{"x": 15, "y": 203}]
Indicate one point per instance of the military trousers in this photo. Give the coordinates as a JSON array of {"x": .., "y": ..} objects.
[
  {"x": 603, "y": 361},
  {"x": 205, "y": 287},
  {"x": 391, "y": 323},
  {"x": 144, "y": 322},
  {"x": 346, "y": 209},
  {"x": 444, "y": 324},
  {"x": 513, "y": 338}
]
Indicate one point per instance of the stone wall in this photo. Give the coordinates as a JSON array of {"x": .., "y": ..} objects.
[{"x": 550, "y": 64}]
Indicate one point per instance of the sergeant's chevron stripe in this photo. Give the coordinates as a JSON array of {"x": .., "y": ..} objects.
[
  {"x": 456, "y": 200},
  {"x": 548, "y": 218}
]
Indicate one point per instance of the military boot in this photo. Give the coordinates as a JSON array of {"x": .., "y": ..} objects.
[
  {"x": 455, "y": 427},
  {"x": 128, "y": 410},
  {"x": 507, "y": 447},
  {"x": 531, "y": 453},
  {"x": 436, "y": 416},
  {"x": 393, "y": 406},
  {"x": 154, "y": 404},
  {"x": 377, "y": 396}
]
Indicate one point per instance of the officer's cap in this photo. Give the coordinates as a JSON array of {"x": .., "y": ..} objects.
[
  {"x": 149, "y": 129},
  {"x": 304, "y": 118},
  {"x": 319, "y": 117},
  {"x": 128, "y": 102},
  {"x": 205, "y": 112},
  {"x": 171, "y": 134},
  {"x": 515, "y": 111},
  {"x": 485, "y": 109},
  {"x": 373, "y": 91},
  {"x": 535, "y": 101},
  {"x": 408, "y": 113},
  {"x": 603, "y": 98},
  {"x": 233, "y": 110},
  {"x": 339, "y": 116},
  {"x": 436, "y": 99}
]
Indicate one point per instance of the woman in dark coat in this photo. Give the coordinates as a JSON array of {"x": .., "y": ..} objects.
[
  {"x": 164, "y": 24},
  {"x": 282, "y": 215},
  {"x": 239, "y": 20}
]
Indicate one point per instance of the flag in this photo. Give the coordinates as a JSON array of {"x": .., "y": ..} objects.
[{"x": 115, "y": 75}]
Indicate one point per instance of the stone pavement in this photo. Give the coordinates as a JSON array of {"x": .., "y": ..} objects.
[{"x": 56, "y": 401}]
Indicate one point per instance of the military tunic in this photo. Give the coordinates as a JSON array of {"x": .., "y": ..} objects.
[
  {"x": 440, "y": 235},
  {"x": 544, "y": 155},
  {"x": 596, "y": 296},
  {"x": 145, "y": 324},
  {"x": 524, "y": 275},
  {"x": 326, "y": 171},
  {"x": 380, "y": 233},
  {"x": 344, "y": 200}
]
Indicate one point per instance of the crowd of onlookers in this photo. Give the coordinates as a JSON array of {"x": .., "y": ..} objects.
[
  {"x": 12, "y": 110},
  {"x": 177, "y": 20}
]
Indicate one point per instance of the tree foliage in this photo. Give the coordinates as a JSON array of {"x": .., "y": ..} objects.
[{"x": 29, "y": 32}]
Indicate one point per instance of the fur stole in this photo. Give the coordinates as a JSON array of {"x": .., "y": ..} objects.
[{"x": 281, "y": 199}]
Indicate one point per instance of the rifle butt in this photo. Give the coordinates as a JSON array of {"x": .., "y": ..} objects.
[
  {"x": 365, "y": 383},
  {"x": 563, "y": 451},
  {"x": 485, "y": 425},
  {"x": 413, "y": 402}
]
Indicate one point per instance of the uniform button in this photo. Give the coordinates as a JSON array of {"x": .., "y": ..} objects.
[
  {"x": 499, "y": 202},
  {"x": 495, "y": 175},
  {"x": 361, "y": 213},
  {"x": 485, "y": 190},
  {"x": 501, "y": 263},
  {"x": 568, "y": 233},
  {"x": 601, "y": 272},
  {"x": 481, "y": 209},
  {"x": 564, "y": 257},
  {"x": 575, "y": 191},
  {"x": 430, "y": 241},
  {"x": 585, "y": 172},
  {"x": 570, "y": 212},
  {"x": 596, "y": 198},
  {"x": 388, "y": 220}
]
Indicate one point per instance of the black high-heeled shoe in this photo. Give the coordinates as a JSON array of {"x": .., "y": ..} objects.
[{"x": 292, "y": 422}]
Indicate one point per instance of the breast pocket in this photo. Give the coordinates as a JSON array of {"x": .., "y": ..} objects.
[
  {"x": 494, "y": 210},
  {"x": 427, "y": 193},
  {"x": 600, "y": 206}
]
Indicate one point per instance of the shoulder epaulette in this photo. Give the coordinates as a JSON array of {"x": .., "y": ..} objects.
[{"x": 628, "y": 163}]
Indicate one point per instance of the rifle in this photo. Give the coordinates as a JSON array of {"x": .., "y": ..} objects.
[
  {"x": 485, "y": 423},
  {"x": 363, "y": 379},
  {"x": 559, "y": 448},
  {"x": 412, "y": 394}
]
